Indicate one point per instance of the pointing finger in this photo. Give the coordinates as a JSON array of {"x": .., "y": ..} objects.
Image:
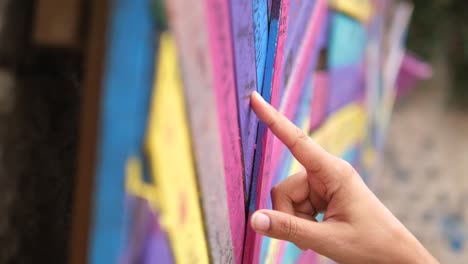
[{"x": 308, "y": 153}]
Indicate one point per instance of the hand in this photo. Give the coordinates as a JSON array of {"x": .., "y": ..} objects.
[{"x": 356, "y": 228}]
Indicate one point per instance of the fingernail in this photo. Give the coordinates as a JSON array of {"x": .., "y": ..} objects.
[
  {"x": 259, "y": 97},
  {"x": 260, "y": 222}
]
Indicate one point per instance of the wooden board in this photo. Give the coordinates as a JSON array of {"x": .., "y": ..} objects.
[
  {"x": 246, "y": 79},
  {"x": 260, "y": 17},
  {"x": 223, "y": 74},
  {"x": 169, "y": 151},
  {"x": 126, "y": 92},
  {"x": 302, "y": 70},
  {"x": 300, "y": 13},
  {"x": 188, "y": 24},
  {"x": 262, "y": 175}
]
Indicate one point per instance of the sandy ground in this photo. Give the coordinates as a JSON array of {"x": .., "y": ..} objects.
[{"x": 424, "y": 179}]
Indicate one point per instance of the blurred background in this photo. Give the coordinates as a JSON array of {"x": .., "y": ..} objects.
[{"x": 422, "y": 180}]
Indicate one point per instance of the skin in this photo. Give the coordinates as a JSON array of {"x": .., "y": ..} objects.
[{"x": 357, "y": 227}]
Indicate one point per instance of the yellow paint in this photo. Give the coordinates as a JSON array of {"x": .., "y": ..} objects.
[
  {"x": 136, "y": 186},
  {"x": 272, "y": 251},
  {"x": 369, "y": 156},
  {"x": 342, "y": 130},
  {"x": 169, "y": 152},
  {"x": 359, "y": 9}
]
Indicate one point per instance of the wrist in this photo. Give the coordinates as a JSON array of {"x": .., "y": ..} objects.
[{"x": 410, "y": 250}]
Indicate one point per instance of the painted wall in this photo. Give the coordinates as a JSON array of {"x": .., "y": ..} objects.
[{"x": 183, "y": 161}]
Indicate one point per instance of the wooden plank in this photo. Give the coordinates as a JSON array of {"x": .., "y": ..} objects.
[
  {"x": 169, "y": 151},
  {"x": 126, "y": 93},
  {"x": 94, "y": 66},
  {"x": 246, "y": 79},
  {"x": 260, "y": 16},
  {"x": 306, "y": 58},
  {"x": 57, "y": 22},
  {"x": 261, "y": 179},
  {"x": 223, "y": 74},
  {"x": 304, "y": 65},
  {"x": 300, "y": 13},
  {"x": 188, "y": 24}
]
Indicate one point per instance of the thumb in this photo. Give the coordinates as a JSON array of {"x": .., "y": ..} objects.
[{"x": 304, "y": 233}]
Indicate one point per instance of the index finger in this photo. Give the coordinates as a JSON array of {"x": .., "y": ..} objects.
[{"x": 313, "y": 157}]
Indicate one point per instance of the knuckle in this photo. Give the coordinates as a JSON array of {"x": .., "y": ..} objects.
[
  {"x": 301, "y": 246},
  {"x": 344, "y": 168},
  {"x": 314, "y": 169},
  {"x": 300, "y": 136},
  {"x": 274, "y": 191},
  {"x": 285, "y": 228},
  {"x": 289, "y": 228},
  {"x": 294, "y": 228},
  {"x": 273, "y": 122},
  {"x": 280, "y": 200}
]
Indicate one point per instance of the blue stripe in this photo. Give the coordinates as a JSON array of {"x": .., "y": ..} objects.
[{"x": 127, "y": 87}]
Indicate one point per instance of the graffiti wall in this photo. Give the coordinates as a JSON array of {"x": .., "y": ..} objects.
[{"x": 182, "y": 161}]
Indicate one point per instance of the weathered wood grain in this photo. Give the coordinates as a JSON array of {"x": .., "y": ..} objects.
[
  {"x": 246, "y": 79},
  {"x": 169, "y": 151},
  {"x": 223, "y": 74},
  {"x": 262, "y": 175},
  {"x": 188, "y": 24}
]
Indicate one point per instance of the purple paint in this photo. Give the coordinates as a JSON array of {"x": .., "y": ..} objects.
[
  {"x": 157, "y": 249},
  {"x": 244, "y": 57},
  {"x": 279, "y": 13},
  {"x": 300, "y": 13},
  {"x": 305, "y": 64},
  {"x": 346, "y": 85},
  {"x": 147, "y": 241},
  {"x": 412, "y": 70}
]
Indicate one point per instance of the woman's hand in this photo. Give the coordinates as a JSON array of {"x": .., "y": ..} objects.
[{"x": 356, "y": 228}]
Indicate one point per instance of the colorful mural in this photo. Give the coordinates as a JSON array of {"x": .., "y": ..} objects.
[{"x": 183, "y": 161}]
